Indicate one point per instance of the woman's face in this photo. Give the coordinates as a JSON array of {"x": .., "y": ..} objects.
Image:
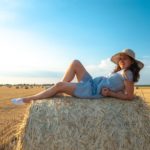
[{"x": 125, "y": 61}]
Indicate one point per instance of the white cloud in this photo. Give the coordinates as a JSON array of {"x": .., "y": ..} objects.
[
  {"x": 103, "y": 69},
  {"x": 106, "y": 64}
]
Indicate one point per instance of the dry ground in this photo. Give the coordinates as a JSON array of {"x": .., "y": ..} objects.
[{"x": 11, "y": 115}]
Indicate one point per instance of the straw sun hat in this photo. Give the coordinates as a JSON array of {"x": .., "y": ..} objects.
[{"x": 115, "y": 58}]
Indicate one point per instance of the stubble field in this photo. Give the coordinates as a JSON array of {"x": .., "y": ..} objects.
[{"x": 11, "y": 115}]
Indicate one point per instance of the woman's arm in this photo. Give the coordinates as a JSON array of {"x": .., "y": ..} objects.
[{"x": 128, "y": 93}]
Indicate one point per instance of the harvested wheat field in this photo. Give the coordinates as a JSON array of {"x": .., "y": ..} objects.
[
  {"x": 67, "y": 123},
  {"x": 11, "y": 115}
]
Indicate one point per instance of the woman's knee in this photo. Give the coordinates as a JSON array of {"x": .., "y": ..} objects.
[
  {"x": 76, "y": 63},
  {"x": 65, "y": 87},
  {"x": 60, "y": 85}
]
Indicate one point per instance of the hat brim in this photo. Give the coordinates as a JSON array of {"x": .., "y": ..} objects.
[{"x": 115, "y": 59}]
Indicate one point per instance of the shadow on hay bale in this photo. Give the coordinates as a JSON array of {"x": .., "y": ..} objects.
[{"x": 73, "y": 124}]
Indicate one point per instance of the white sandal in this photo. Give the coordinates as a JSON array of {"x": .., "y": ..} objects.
[{"x": 17, "y": 101}]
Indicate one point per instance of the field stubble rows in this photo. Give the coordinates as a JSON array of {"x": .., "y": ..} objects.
[{"x": 11, "y": 116}]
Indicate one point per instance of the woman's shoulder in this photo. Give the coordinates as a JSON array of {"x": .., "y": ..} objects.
[{"x": 127, "y": 75}]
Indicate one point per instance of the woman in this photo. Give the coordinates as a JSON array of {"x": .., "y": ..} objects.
[{"x": 120, "y": 84}]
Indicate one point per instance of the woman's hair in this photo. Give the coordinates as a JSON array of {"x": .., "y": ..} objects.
[{"x": 134, "y": 68}]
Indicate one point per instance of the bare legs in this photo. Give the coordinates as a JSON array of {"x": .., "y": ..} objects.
[
  {"x": 75, "y": 68},
  {"x": 65, "y": 86},
  {"x": 59, "y": 87}
]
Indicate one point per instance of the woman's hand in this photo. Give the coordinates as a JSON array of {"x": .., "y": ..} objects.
[
  {"x": 127, "y": 94},
  {"x": 106, "y": 92}
]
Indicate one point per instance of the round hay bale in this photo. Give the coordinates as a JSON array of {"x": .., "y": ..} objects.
[
  {"x": 17, "y": 87},
  {"x": 79, "y": 124},
  {"x": 26, "y": 87}
]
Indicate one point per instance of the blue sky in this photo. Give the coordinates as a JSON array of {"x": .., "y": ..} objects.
[{"x": 40, "y": 38}]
